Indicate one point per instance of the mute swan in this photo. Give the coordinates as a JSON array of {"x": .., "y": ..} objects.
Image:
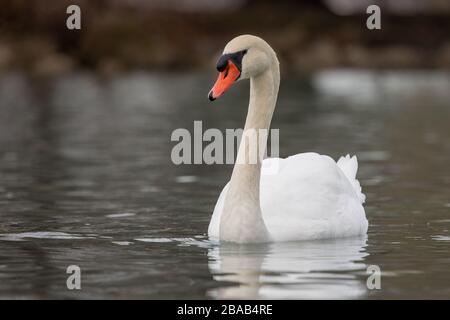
[{"x": 309, "y": 197}]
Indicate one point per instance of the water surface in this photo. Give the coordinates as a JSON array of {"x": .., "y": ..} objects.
[{"x": 86, "y": 179}]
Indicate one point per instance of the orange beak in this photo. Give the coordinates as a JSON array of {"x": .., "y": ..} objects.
[{"x": 224, "y": 81}]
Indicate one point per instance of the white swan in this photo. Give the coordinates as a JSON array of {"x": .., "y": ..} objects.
[{"x": 309, "y": 197}]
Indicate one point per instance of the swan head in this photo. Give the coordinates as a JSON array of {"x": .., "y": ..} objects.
[{"x": 244, "y": 57}]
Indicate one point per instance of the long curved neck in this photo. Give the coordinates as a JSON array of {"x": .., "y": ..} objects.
[
  {"x": 241, "y": 220},
  {"x": 263, "y": 95}
]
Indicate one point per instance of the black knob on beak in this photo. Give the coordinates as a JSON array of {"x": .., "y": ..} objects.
[{"x": 210, "y": 96}]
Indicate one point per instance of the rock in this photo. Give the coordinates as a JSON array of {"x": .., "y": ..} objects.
[
  {"x": 358, "y": 56},
  {"x": 322, "y": 54},
  {"x": 443, "y": 57},
  {"x": 5, "y": 56},
  {"x": 53, "y": 64},
  {"x": 397, "y": 57},
  {"x": 109, "y": 66}
]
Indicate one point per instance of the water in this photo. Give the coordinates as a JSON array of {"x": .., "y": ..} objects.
[{"x": 86, "y": 179}]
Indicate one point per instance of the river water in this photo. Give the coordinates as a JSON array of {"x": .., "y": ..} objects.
[{"x": 86, "y": 179}]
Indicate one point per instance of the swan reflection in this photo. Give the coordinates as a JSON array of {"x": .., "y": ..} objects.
[{"x": 326, "y": 269}]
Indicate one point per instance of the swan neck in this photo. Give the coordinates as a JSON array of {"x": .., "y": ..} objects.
[
  {"x": 263, "y": 95},
  {"x": 242, "y": 219}
]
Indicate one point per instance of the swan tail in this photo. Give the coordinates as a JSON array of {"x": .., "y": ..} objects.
[{"x": 349, "y": 165}]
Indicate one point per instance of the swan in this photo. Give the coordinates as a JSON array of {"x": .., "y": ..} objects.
[{"x": 309, "y": 197}]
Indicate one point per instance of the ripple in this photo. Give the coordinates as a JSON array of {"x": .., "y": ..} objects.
[
  {"x": 122, "y": 243},
  {"x": 184, "y": 242},
  {"x": 186, "y": 179},
  {"x": 440, "y": 238},
  {"x": 120, "y": 215},
  {"x": 41, "y": 235},
  {"x": 156, "y": 240},
  {"x": 440, "y": 221}
]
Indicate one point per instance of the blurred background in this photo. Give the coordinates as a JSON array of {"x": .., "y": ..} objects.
[
  {"x": 86, "y": 118},
  {"x": 188, "y": 34}
]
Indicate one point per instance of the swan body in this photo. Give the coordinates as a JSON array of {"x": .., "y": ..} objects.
[{"x": 309, "y": 196}]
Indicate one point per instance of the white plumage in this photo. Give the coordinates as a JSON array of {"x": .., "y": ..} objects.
[{"x": 311, "y": 197}]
